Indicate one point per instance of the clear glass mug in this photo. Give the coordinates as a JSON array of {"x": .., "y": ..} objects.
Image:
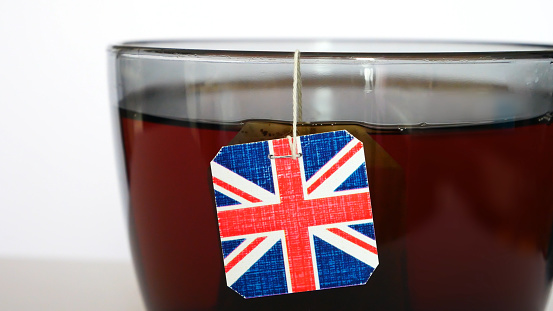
[{"x": 458, "y": 145}]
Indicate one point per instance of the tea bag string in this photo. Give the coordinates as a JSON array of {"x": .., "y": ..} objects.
[
  {"x": 296, "y": 106},
  {"x": 296, "y": 111}
]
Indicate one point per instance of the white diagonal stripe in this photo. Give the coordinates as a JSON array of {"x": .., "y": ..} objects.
[
  {"x": 238, "y": 250},
  {"x": 339, "y": 176},
  {"x": 350, "y": 248},
  {"x": 344, "y": 226},
  {"x": 332, "y": 161},
  {"x": 231, "y": 195},
  {"x": 358, "y": 235},
  {"x": 224, "y": 174},
  {"x": 249, "y": 260}
]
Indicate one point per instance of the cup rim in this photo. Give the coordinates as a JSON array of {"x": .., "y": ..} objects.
[{"x": 319, "y": 49}]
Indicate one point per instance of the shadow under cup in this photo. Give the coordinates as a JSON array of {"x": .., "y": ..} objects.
[{"x": 458, "y": 145}]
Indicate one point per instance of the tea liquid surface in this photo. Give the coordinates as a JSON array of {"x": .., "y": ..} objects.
[{"x": 463, "y": 215}]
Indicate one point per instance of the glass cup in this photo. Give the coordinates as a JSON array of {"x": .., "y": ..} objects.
[{"x": 458, "y": 146}]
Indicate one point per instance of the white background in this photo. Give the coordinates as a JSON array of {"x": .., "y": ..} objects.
[{"x": 59, "y": 191}]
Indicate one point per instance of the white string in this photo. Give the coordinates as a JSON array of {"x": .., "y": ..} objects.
[
  {"x": 297, "y": 111},
  {"x": 296, "y": 105}
]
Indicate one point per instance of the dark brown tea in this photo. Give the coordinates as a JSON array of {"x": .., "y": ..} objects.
[{"x": 463, "y": 215}]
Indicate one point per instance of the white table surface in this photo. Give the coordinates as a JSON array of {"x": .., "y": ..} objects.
[
  {"x": 59, "y": 285},
  {"x": 63, "y": 285}
]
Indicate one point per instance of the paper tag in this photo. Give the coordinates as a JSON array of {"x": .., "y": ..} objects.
[{"x": 291, "y": 226}]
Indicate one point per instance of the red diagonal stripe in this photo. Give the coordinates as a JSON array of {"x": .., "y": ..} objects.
[
  {"x": 235, "y": 190},
  {"x": 244, "y": 253},
  {"x": 335, "y": 167},
  {"x": 353, "y": 239}
]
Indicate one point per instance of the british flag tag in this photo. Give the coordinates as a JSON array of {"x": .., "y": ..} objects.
[{"x": 294, "y": 225}]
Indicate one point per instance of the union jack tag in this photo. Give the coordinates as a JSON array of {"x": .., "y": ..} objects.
[{"x": 294, "y": 225}]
